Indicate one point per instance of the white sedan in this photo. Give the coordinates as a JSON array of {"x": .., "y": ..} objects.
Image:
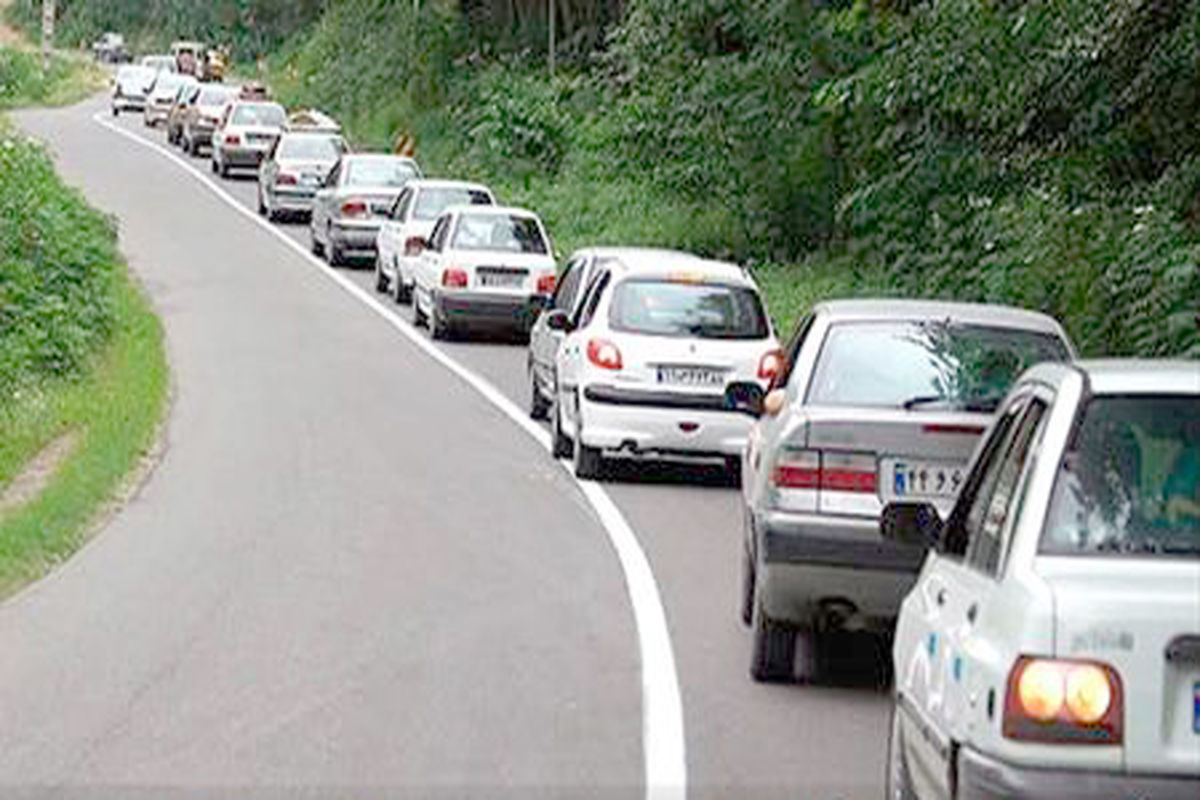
[
  {"x": 658, "y": 358},
  {"x": 483, "y": 265},
  {"x": 410, "y": 221},
  {"x": 1051, "y": 645}
]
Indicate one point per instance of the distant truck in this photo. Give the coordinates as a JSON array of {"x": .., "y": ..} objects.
[{"x": 199, "y": 60}]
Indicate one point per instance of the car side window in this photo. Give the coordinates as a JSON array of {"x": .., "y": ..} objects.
[
  {"x": 992, "y": 507},
  {"x": 591, "y": 300},
  {"x": 437, "y": 239},
  {"x": 400, "y": 209},
  {"x": 568, "y": 287},
  {"x": 332, "y": 178},
  {"x": 792, "y": 352}
]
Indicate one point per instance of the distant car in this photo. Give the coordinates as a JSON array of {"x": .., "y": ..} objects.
[
  {"x": 544, "y": 340},
  {"x": 185, "y": 97},
  {"x": 202, "y": 116},
  {"x": 130, "y": 87},
  {"x": 162, "y": 95},
  {"x": 293, "y": 171},
  {"x": 1051, "y": 644},
  {"x": 655, "y": 358},
  {"x": 110, "y": 48},
  {"x": 253, "y": 90},
  {"x": 483, "y": 265},
  {"x": 158, "y": 62},
  {"x": 356, "y": 197},
  {"x": 246, "y": 133},
  {"x": 313, "y": 121},
  {"x": 879, "y": 400},
  {"x": 190, "y": 57},
  {"x": 410, "y": 220}
]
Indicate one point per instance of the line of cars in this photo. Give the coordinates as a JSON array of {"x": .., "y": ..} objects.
[{"x": 1028, "y": 525}]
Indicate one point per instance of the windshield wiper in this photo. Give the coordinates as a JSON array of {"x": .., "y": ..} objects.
[{"x": 922, "y": 400}]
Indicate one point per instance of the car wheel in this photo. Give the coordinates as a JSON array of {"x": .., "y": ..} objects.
[
  {"x": 262, "y": 207},
  {"x": 588, "y": 460},
  {"x": 333, "y": 253},
  {"x": 438, "y": 327},
  {"x": 747, "y": 587},
  {"x": 418, "y": 314},
  {"x": 116, "y": 111},
  {"x": 897, "y": 781},
  {"x": 381, "y": 281},
  {"x": 403, "y": 291},
  {"x": 733, "y": 468},
  {"x": 773, "y": 653},
  {"x": 560, "y": 443},
  {"x": 213, "y": 165},
  {"x": 223, "y": 170},
  {"x": 539, "y": 406},
  {"x": 314, "y": 244}
]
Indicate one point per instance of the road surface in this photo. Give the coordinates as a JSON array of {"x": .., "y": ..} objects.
[{"x": 352, "y": 575}]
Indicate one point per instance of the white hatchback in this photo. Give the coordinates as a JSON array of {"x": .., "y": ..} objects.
[
  {"x": 656, "y": 360},
  {"x": 1051, "y": 645}
]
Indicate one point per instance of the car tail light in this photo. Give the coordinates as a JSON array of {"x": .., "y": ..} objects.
[
  {"x": 233, "y": 138},
  {"x": 285, "y": 179},
  {"x": 770, "y": 365},
  {"x": 604, "y": 354},
  {"x": 831, "y": 470},
  {"x": 454, "y": 278},
  {"x": 546, "y": 283},
  {"x": 354, "y": 208},
  {"x": 1058, "y": 700}
]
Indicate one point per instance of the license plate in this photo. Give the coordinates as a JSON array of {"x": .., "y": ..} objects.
[
  {"x": 920, "y": 478},
  {"x": 501, "y": 280},
  {"x": 692, "y": 376},
  {"x": 1196, "y": 707},
  {"x": 310, "y": 180}
]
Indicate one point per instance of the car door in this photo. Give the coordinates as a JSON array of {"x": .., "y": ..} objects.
[
  {"x": 429, "y": 263},
  {"x": 267, "y": 173},
  {"x": 569, "y": 358},
  {"x": 937, "y": 679},
  {"x": 322, "y": 202},
  {"x": 390, "y": 241},
  {"x": 543, "y": 341}
]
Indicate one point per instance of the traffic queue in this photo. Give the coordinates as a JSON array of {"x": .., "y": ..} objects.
[{"x": 1022, "y": 527}]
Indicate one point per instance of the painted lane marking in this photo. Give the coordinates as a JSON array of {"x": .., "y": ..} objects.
[{"x": 662, "y": 706}]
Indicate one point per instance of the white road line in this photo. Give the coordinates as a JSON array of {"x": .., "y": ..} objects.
[{"x": 662, "y": 706}]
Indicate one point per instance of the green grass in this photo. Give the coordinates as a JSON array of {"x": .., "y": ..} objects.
[
  {"x": 70, "y": 78},
  {"x": 114, "y": 409}
]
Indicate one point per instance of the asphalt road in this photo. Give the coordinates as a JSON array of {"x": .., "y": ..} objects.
[{"x": 353, "y": 576}]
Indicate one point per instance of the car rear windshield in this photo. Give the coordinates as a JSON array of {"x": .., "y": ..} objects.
[
  {"x": 934, "y": 364},
  {"x": 511, "y": 233},
  {"x": 1129, "y": 483},
  {"x": 265, "y": 114},
  {"x": 214, "y": 96},
  {"x": 379, "y": 172},
  {"x": 670, "y": 308},
  {"x": 434, "y": 200},
  {"x": 322, "y": 148},
  {"x": 168, "y": 82}
]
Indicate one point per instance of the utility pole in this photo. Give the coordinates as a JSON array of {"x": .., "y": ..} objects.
[
  {"x": 47, "y": 32},
  {"x": 550, "y": 9}
]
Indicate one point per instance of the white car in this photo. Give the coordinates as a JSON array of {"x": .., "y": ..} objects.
[
  {"x": 483, "y": 265},
  {"x": 656, "y": 358},
  {"x": 409, "y": 221},
  {"x": 130, "y": 88},
  {"x": 1051, "y": 645},
  {"x": 162, "y": 94}
]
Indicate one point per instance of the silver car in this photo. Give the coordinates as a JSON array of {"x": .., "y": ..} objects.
[
  {"x": 162, "y": 95},
  {"x": 159, "y": 62},
  {"x": 130, "y": 88},
  {"x": 879, "y": 401},
  {"x": 246, "y": 133},
  {"x": 295, "y": 168},
  {"x": 357, "y": 196},
  {"x": 203, "y": 115}
]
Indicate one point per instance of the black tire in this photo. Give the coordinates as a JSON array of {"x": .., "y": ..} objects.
[
  {"x": 193, "y": 147},
  {"x": 438, "y": 327},
  {"x": 333, "y": 253},
  {"x": 747, "y": 613},
  {"x": 560, "y": 443},
  {"x": 212, "y": 165},
  {"x": 262, "y": 207},
  {"x": 539, "y": 406},
  {"x": 317, "y": 248},
  {"x": 733, "y": 468},
  {"x": 223, "y": 170},
  {"x": 773, "y": 653},
  {"x": 381, "y": 282},
  {"x": 402, "y": 293},
  {"x": 589, "y": 461},
  {"x": 897, "y": 781},
  {"x": 116, "y": 111}
]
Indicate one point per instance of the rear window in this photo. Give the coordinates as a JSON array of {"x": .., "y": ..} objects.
[
  {"x": 706, "y": 310},
  {"x": 312, "y": 147},
  {"x": 214, "y": 96},
  {"x": 434, "y": 200},
  {"x": 1129, "y": 483},
  {"x": 510, "y": 233},
  {"x": 926, "y": 364},
  {"x": 267, "y": 115},
  {"x": 379, "y": 172}
]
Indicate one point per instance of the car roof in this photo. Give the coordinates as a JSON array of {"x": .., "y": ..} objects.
[
  {"x": 660, "y": 262},
  {"x": 444, "y": 183},
  {"x": 377, "y": 157},
  {"x": 903, "y": 309},
  {"x": 494, "y": 210},
  {"x": 1138, "y": 376}
]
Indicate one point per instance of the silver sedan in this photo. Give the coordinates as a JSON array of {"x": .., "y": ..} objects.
[
  {"x": 357, "y": 196},
  {"x": 294, "y": 169}
]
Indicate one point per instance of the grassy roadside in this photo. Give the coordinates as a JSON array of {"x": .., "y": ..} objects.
[{"x": 70, "y": 78}]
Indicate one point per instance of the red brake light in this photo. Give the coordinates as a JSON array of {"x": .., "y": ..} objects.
[
  {"x": 770, "y": 365},
  {"x": 454, "y": 278},
  {"x": 1066, "y": 701},
  {"x": 233, "y": 138},
  {"x": 286, "y": 179},
  {"x": 354, "y": 208},
  {"x": 604, "y": 354},
  {"x": 546, "y": 283},
  {"x": 832, "y": 471}
]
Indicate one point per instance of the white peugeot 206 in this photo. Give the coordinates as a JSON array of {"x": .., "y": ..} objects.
[
  {"x": 659, "y": 356},
  {"x": 1051, "y": 645}
]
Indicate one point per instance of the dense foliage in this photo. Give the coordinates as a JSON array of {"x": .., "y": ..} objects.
[{"x": 58, "y": 279}]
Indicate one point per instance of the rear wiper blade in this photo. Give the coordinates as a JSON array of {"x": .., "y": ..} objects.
[{"x": 923, "y": 399}]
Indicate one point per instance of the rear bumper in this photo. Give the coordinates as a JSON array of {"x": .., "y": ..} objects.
[
  {"x": 807, "y": 558},
  {"x": 128, "y": 102},
  {"x": 242, "y": 156},
  {"x": 156, "y": 113},
  {"x": 981, "y": 777},
  {"x": 502, "y": 310},
  {"x": 299, "y": 201},
  {"x": 666, "y": 423},
  {"x": 354, "y": 238}
]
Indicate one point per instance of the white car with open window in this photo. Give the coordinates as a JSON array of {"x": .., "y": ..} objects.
[
  {"x": 656, "y": 358},
  {"x": 1051, "y": 644}
]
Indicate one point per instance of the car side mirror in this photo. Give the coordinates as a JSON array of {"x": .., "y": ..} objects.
[
  {"x": 557, "y": 320},
  {"x": 915, "y": 524},
  {"x": 413, "y": 245},
  {"x": 745, "y": 398}
]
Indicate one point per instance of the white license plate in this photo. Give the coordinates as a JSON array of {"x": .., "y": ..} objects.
[
  {"x": 692, "y": 376},
  {"x": 310, "y": 180},
  {"x": 501, "y": 280},
  {"x": 921, "y": 478}
]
